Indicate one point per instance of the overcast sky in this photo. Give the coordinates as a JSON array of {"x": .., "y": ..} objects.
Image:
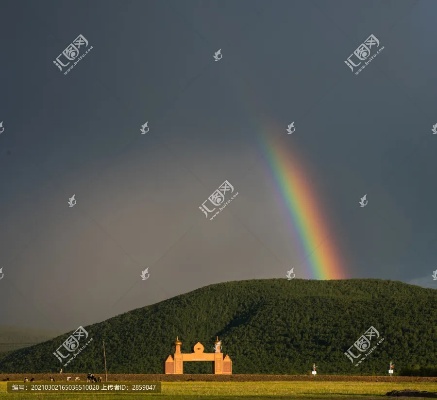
[{"x": 138, "y": 196}]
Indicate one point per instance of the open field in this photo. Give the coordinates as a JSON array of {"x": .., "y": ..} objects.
[
  {"x": 278, "y": 390},
  {"x": 219, "y": 378}
]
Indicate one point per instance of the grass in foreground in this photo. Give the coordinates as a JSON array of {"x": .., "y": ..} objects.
[{"x": 246, "y": 391}]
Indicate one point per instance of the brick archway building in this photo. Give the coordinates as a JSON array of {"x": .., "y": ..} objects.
[{"x": 175, "y": 364}]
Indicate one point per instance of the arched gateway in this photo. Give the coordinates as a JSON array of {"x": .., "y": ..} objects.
[{"x": 222, "y": 366}]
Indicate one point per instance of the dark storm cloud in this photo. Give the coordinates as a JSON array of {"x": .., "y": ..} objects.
[{"x": 138, "y": 195}]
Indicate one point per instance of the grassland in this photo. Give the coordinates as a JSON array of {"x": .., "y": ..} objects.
[{"x": 249, "y": 391}]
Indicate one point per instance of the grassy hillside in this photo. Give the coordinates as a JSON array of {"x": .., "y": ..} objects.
[{"x": 270, "y": 326}]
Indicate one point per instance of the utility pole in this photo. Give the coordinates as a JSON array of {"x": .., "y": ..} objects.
[{"x": 104, "y": 356}]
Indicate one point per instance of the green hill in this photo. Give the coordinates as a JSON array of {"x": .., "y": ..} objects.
[{"x": 272, "y": 326}]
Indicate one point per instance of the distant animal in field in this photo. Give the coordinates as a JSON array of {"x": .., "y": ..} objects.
[
  {"x": 77, "y": 378},
  {"x": 32, "y": 379},
  {"x": 6, "y": 379},
  {"x": 68, "y": 378},
  {"x": 51, "y": 379},
  {"x": 91, "y": 378},
  {"x": 26, "y": 380},
  {"x": 100, "y": 379}
]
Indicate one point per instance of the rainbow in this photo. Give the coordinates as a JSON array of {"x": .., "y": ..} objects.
[
  {"x": 305, "y": 215},
  {"x": 308, "y": 224}
]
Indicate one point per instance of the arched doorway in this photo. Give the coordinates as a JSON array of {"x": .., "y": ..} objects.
[{"x": 175, "y": 364}]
